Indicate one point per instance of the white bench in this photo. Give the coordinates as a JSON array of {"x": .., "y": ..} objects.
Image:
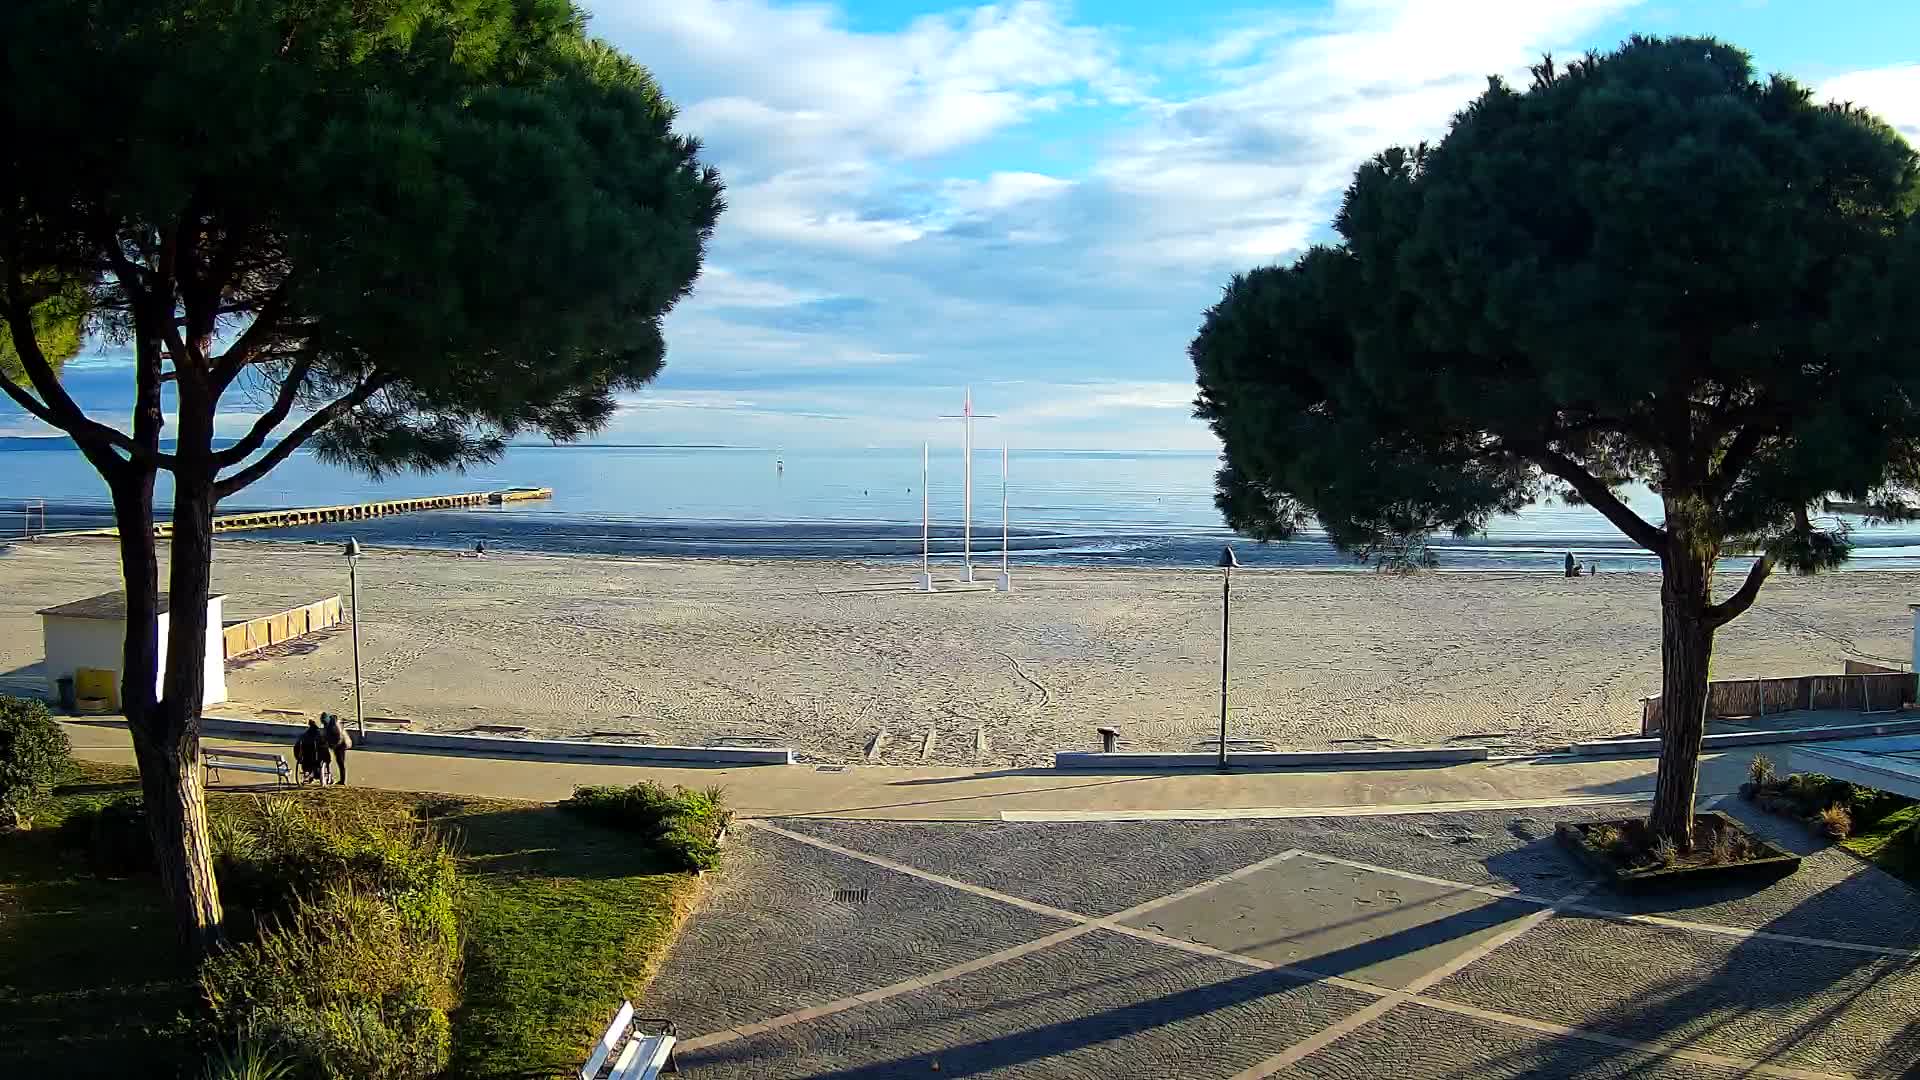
[
  {"x": 635, "y": 1054},
  {"x": 245, "y": 761}
]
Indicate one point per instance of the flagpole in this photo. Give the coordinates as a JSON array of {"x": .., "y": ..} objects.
[
  {"x": 966, "y": 528},
  {"x": 1005, "y": 584},
  {"x": 924, "y": 581}
]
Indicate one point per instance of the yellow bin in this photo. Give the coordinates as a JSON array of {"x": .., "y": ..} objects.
[{"x": 93, "y": 682}]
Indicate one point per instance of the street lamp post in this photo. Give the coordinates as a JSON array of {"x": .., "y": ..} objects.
[
  {"x": 353, "y": 584},
  {"x": 1227, "y": 563}
]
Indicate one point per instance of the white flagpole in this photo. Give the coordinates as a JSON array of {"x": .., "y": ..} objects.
[
  {"x": 966, "y": 528},
  {"x": 1005, "y": 584},
  {"x": 924, "y": 580}
]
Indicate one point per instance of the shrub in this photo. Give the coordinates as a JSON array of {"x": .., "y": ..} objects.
[
  {"x": 683, "y": 826},
  {"x": 1605, "y": 837},
  {"x": 1760, "y": 770},
  {"x": 249, "y": 1059},
  {"x": 346, "y": 986},
  {"x": 1664, "y": 851},
  {"x": 356, "y": 961},
  {"x": 33, "y": 753},
  {"x": 1835, "y": 822}
]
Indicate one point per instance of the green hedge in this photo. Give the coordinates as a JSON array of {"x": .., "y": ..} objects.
[
  {"x": 355, "y": 963},
  {"x": 33, "y": 754},
  {"x": 684, "y": 826}
]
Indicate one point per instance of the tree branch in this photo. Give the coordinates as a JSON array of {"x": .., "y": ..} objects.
[
  {"x": 56, "y": 406},
  {"x": 295, "y": 438},
  {"x": 282, "y": 405},
  {"x": 252, "y": 340},
  {"x": 1746, "y": 442},
  {"x": 1724, "y": 612},
  {"x": 1599, "y": 496}
]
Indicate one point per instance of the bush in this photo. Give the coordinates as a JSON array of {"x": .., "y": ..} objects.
[
  {"x": 247, "y": 1060},
  {"x": 33, "y": 753},
  {"x": 1760, "y": 770},
  {"x": 683, "y": 826},
  {"x": 1835, "y": 822},
  {"x": 356, "y": 961}
]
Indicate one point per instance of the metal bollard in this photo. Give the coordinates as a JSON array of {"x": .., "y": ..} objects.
[{"x": 1108, "y": 736}]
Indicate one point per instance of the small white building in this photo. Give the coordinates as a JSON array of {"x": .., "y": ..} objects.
[{"x": 92, "y": 633}]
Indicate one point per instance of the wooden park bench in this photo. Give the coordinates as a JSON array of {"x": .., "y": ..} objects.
[
  {"x": 252, "y": 761},
  {"x": 635, "y": 1054}
]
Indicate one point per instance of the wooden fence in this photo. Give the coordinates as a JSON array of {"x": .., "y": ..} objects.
[
  {"x": 1874, "y": 690},
  {"x": 255, "y": 634}
]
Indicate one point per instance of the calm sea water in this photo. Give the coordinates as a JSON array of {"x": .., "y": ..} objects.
[{"x": 1066, "y": 507}]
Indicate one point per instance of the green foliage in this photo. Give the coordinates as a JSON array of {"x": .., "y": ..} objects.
[
  {"x": 475, "y": 203},
  {"x": 1760, "y": 770},
  {"x": 355, "y": 975},
  {"x": 33, "y": 753},
  {"x": 1647, "y": 266},
  {"x": 247, "y": 1059},
  {"x": 681, "y": 824}
]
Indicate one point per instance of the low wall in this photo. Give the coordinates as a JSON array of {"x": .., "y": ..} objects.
[
  {"x": 253, "y": 635},
  {"x": 494, "y": 746},
  {"x": 1735, "y": 739},
  {"x": 1268, "y": 759},
  {"x": 1864, "y": 691}
]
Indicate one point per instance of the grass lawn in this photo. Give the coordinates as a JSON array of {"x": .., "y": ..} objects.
[
  {"x": 560, "y": 919},
  {"x": 1890, "y": 852}
]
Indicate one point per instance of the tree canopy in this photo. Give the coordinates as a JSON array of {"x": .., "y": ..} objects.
[
  {"x": 424, "y": 226},
  {"x": 400, "y": 231},
  {"x": 1648, "y": 266}
]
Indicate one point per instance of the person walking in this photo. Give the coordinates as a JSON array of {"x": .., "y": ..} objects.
[{"x": 339, "y": 742}]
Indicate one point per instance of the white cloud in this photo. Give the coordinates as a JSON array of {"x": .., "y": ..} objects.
[
  {"x": 1892, "y": 93},
  {"x": 993, "y": 194}
]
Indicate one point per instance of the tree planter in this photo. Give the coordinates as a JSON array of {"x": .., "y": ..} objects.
[{"x": 1760, "y": 861}]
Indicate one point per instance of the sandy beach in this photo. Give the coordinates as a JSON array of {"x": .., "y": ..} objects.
[{"x": 821, "y": 656}]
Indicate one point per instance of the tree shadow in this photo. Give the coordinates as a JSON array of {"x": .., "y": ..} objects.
[{"x": 547, "y": 841}]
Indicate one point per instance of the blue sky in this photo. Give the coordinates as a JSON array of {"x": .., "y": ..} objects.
[{"x": 1040, "y": 199}]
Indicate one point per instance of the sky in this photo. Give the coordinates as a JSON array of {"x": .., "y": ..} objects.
[{"x": 1039, "y": 200}]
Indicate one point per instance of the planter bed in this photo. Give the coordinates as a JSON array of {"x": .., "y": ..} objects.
[{"x": 1630, "y": 866}]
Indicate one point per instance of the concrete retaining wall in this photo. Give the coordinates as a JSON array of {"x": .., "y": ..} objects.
[
  {"x": 1269, "y": 759},
  {"x": 496, "y": 746}
]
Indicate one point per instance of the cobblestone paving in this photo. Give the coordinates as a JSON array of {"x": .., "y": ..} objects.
[
  {"x": 1832, "y": 895},
  {"x": 776, "y": 979},
  {"x": 1100, "y": 1007},
  {"x": 1817, "y": 1008},
  {"x": 771, "y": 938},
  {"x": 1414, "y": 1043},
  {"x": 1337, "y": 920}
]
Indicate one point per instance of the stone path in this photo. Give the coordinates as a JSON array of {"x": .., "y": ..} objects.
[{"x": 1458, "y": 945}]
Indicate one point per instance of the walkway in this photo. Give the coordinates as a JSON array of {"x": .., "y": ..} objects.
[
  {"x": 1420, "y": 948},
  {"x": 948, "y": 794}
]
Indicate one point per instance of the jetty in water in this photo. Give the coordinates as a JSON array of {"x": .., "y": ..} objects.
[{"x": 322, "y": 515}]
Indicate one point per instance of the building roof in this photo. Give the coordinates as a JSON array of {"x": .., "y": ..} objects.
[{"x": 110, "y": 606}]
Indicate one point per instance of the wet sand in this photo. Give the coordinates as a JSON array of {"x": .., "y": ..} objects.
[{"x": 821, "y": 656}]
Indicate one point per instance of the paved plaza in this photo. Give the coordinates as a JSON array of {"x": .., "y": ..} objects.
[{"x": 1460, "y": 945}]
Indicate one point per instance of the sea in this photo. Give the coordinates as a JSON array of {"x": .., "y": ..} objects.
[{"x": 1061, "y": 507}]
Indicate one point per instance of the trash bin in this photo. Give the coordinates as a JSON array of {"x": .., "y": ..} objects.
[{"x": 69, "y": 700}]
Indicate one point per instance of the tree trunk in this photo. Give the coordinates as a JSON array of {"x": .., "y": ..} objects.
[
  {"x": 170, "y": 781},
  {"x": 176, "y": 799},
  {"x": 1686, "y": 651}
]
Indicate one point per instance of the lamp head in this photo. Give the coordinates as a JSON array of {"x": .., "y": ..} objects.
[
  {"x": 353, "y": 548},
  {"x": 1227, "y": 560}
]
